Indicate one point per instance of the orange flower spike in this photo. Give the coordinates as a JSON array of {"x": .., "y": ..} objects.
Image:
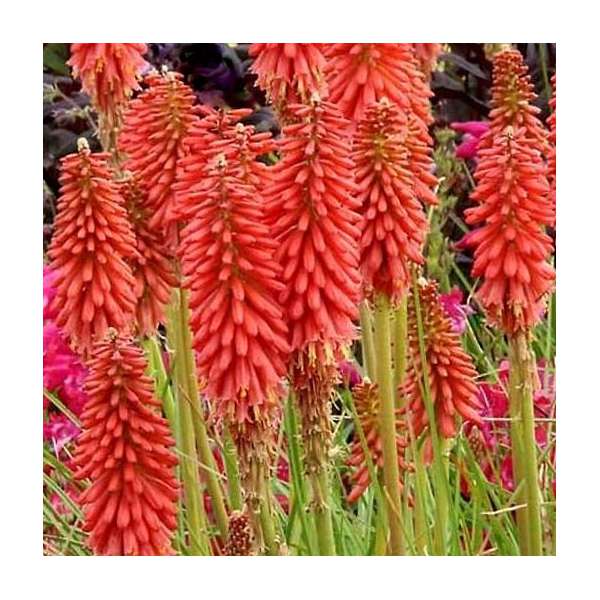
[
  {"x": 153, "y": 265},
  {"x": 394, "y": 224},
  {"x": 366, "y": 402},
  {"x": 512, "y": 97},
  {"x": 316, "y": 224},
  {"x": 451, "y": 372},
  {"x": 427, "y": 56},
  {"x": 360, "y": 74},
  {"x": 154, "y": 128},
  {"x": 200, "y": 148},
  {"x": 92, "y": 242},
  {"x": 227, "y": 256},
  {"x": 511, "y": 248},
  {"x": 108, "y": 72},
  {"x": 552, "y": 151},
  {"x": 125, "y": 451},
  {"x": 289, "y": 73}
]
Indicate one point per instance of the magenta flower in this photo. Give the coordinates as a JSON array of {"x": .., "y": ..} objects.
[
  {"x": 349, "y": 372},
  {"x": 455, "y": 309},
  {"x": 472, "y": 132},
  {"x": 59, "y": 431},
  {"x": 494, "y": 435}
]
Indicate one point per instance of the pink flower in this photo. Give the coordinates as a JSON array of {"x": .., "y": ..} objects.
[
  {"x": 472, "y": 132},
  {"x": 455, "y": 309},
  {"x": 59, "y": 431},
  {"x": 350, "y": 373}
]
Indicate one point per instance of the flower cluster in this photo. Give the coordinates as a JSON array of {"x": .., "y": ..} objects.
[
  {"x": 289, "y": 73},
  {"x": 108, "y": 72},
  {"x": 155, "y": 125},
  {"x": 451, "y": 375},
  {"x": 366, "y": 403},
  {"x": 394, "y": 223},
  {"x": 510, "y": 245},
  {"x": 125, "y": 451},
  {"x": 92, "y": 242}
]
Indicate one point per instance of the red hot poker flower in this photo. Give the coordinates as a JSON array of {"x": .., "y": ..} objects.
[
  {"x": 552, "y": 150},
  {"x": 92, "y": 242},
  {"x": 154, "y": 128},
  {"x": 153, "y": 265},
  {"x": 227, "y": 256},
  {"x": 512, "y": 97},
  {"x": 125, "y": 450},
  {"x": 451, "y": 371},
  {"x": 510, "y": 246},
  {"x": 201, "y": 149},
  {"x": 366, "y": 401},
  {"x": 360, "y": 74},
  {"x": 315, "y": 221},
  {"x": 394, "y": 223},
  {"x": 289, "y": 73},
  {"x": 427, "y": 56},
  {"x": 108, "y": 72}
]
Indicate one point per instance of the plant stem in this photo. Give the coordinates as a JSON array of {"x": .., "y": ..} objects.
[
  {"x": 522, "y": 372},
  {"x": 387, "y": 423},
  {"x": 234, "y": 487},
  {"x": 189, "y": 461},
  {"x": 322, "y": 511},
  {"x": 207, "y": 460},
  {"x": 297, "y": 474},
  {"x": 366, "y": 325},
  {"x": 400, "y": 333}
]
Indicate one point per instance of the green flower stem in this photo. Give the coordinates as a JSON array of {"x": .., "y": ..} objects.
[
  {"x": 366, "y": 325},
  {"x": 298, "y": 481},
  {"x": 440, "y": 479},
  {"x": 387, "y": 423},
  {"x": 164, "y": 391},
  {"x": 400, "y": 333},
  {"x": 524, "y": 449},
  {"x": 236, "y": 500},
  {"x": 199, "y": 544},
  {"x": 207, "y": 464},
  {"x": 321, "y": 500},
  {"x": 267, "y": 523}
]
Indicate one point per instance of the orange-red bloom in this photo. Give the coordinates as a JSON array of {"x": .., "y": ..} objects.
[
  {"x": 360, "y": 74},
  {"x": 510, "y": 246},
  {"x": 552, "y": 150},
  {"x": 451, "y": 372},
  {"x": 512, "y": 97},
  {"x": 394, "y": 224},
  {"x": 289, "y": 73},
  {"x": 92, "y": 242},
  {"x": 108, "y": 72},
  {"x": 315, "y": 222},
  {"x": 155, "y": 125},
  {"x": 125, "y": 450},
  {"x": 366, "y": 403},
  {"x": 152, "y": 266},
  {"x": 227, "y": 256},
  {"x": 427, "y": 56}
]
